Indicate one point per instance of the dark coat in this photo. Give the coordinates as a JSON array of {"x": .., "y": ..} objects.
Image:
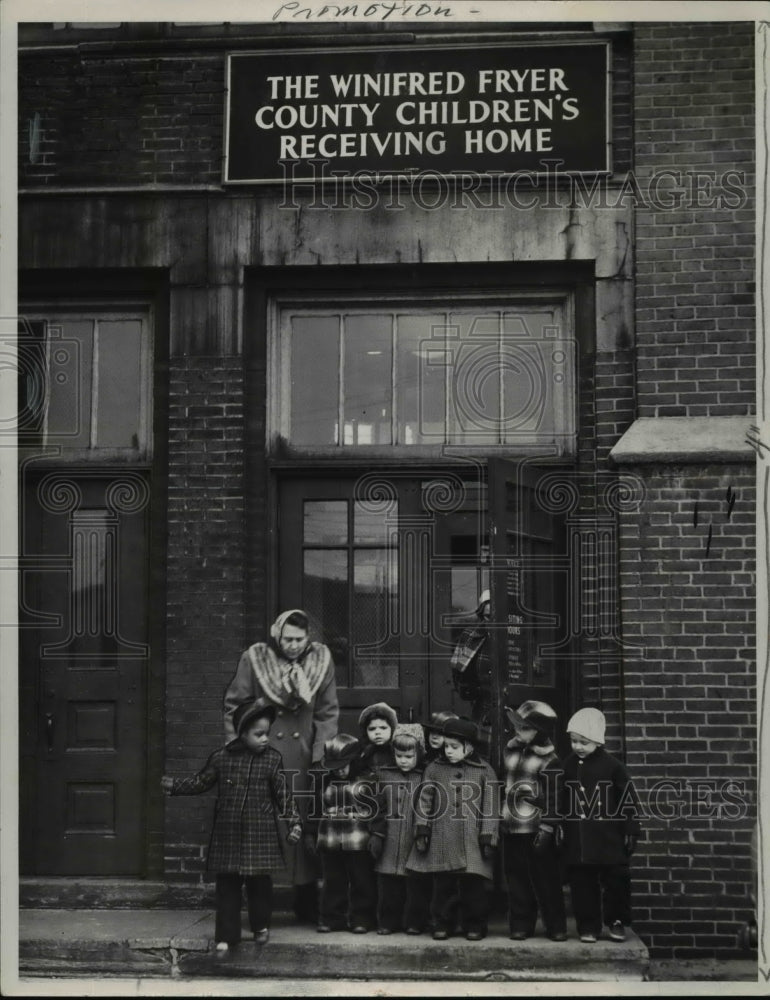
[
  {"x": 248, "y": 835},
  {"x": 599, "y": 806},
  {"x": 463, "y": 800},
  {"x": 395, "y": 818}
]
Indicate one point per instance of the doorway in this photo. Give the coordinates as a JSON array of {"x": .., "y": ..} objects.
[{"x": 390, "y": 564}]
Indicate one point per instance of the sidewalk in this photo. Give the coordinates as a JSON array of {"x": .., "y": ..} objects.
[{"x": 178, "y": 943}]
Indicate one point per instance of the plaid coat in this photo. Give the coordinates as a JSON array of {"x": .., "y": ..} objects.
[
  {"x": 343, "y": 812},
  {"x": 599, "y": 806},
  {"x": 249, "y": 832},
  {"x": 458, "y": 809},
  {"x": 395, "y": 818},
  {"x": 531, "y": 775}
]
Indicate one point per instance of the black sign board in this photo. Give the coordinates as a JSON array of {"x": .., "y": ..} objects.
[{"x": 487, "y": 109}]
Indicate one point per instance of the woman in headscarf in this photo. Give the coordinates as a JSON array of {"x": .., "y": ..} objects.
[{"x": 298, "y": 677}]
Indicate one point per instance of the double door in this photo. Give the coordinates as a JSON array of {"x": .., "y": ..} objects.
[{"x": 389, "y": 564}]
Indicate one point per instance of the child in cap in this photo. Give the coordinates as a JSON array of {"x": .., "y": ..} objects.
[
  {"x": 377, "y": 723},
  {"x": 403, "y": 897},
  {"x": 530, "y": 861},
  {"x": 456, "y": 831},
  {"x": 600, "y": 809},
  {"x": 339, "y": 832},
  {"x": 249, "y": 830},
  {"x": 434, "y": 732}
]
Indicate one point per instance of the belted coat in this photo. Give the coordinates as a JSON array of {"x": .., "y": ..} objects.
[
  {"x": 253, "y": 813},
  {"x": 458, "y": 809},
  {"x": 598, "y": 805}
]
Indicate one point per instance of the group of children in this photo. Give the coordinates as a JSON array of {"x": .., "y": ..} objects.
[{"x": 407, "y": 834}]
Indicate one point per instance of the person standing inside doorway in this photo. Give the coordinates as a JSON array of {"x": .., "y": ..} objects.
[
  {"x": 472, "y": 664},
  {"x": 297, "y": 676}
]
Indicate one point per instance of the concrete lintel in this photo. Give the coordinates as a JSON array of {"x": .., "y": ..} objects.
[{"x": 685, "y": 439}]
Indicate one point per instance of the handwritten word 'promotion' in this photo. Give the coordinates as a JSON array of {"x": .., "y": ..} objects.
[{"x": 342, "y": 121}]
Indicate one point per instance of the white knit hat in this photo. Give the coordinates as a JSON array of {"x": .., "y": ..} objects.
[{"x": 588, "y": 723}]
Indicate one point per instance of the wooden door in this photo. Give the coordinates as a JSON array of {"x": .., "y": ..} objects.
[{"x": 83, "y": 668}]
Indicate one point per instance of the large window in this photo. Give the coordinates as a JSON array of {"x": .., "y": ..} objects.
[
  {"x": 397, "y": 374},
  {"x": 85, "y": 389}
]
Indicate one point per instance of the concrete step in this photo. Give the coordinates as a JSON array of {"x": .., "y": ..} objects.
[{"x": 179, "y": 943}]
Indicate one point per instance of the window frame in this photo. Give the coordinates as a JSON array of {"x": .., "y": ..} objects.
[
  {"x": 564, "y": 409},
  {"x": 51, "y": 313}
]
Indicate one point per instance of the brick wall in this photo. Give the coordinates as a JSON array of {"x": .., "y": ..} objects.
[
  {"x": 205, "y": 582},
  {"x": 687, "y": 601},
  {"x": 694, "y": 112},
  {"x": 687, "y": 579}
]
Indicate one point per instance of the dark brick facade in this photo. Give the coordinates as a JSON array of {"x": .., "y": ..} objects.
[{"x": 679, "y": 692}]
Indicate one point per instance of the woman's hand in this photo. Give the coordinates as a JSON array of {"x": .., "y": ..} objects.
[{"x": 294, "y": 834}]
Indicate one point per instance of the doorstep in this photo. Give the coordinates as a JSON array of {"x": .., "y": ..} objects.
[{"x": 178, "y": 943}]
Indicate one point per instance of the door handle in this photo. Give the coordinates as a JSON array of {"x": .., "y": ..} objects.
[{"x": 49, "y": 730}]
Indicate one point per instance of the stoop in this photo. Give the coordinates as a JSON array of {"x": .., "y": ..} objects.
[{"x": 179, "y": 944}]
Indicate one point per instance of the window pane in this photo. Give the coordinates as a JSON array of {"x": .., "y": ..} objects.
[
  {"x": 314, "y": 380},
  {"x": 119, "y": 383},
  {"x": 475, "y": 379},
  {"x": 375, "y": 628},
  {"x": 421, "y": 369},
  {"x": 325, "y": 522},
  {"x": 375, "y": 527},
  {"x": 70, "y": 365},
  {"x": 528, "y": 373},
  {"x": 325, "y": 599},
  {"x": 368, "y": 363}
]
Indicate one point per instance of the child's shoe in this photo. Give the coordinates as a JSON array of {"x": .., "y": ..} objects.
[
  {"x": 617, "y": 931},
  {"x": 262, "y": 937},
  {"x": 558, "y": 936},
  {"x": 518, "y": 935},
  {"x": 359, "y": 929},
  {"x": 412, "y": 930},
  {"x": 588, "y": 938},
  {"x": 440, "y": 934},
  {"x": 474, "y": 935},
  {"x": 222, "y": 948}
]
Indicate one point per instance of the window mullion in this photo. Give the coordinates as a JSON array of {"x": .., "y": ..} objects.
[
  {"x": 501, "y": 376},
  {"x": 94, "y": 385},
  {"x": 341, "y": 399},
  {"x": 393, "y": 395}
]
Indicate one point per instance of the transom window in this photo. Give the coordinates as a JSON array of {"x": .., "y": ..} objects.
[
  {"x": 86, "y": 382},
  {"x": 395, "y": 374}
]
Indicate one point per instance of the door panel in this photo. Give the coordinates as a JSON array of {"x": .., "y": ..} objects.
[{"x": 84, "y": 672}]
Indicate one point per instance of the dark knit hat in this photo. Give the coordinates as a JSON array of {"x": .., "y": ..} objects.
[
  {"x": 462, "y": 729},
  {"x": 339, "y": 751},
  {"x": 535, "y": 715},
  {"x": 249, "y": 711},
  {"x": 380, "y": 710},
  {"x": 437, "y": 720}
]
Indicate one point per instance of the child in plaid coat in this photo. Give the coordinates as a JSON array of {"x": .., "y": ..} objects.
[
  {"x": 530, "y": 857},
  {"x": 339, "y": 832},
  {"x": 248, "y": 833},
  {"x": 456, "y": 831}
]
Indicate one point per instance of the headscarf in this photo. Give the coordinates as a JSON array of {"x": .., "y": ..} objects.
[{"x": 289, "y": 681}]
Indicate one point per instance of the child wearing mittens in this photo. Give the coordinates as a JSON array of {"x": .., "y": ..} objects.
[
  {"x": 247, "y": 837},
  {"x": 403, "y": 897},
  {"x": 456, "y": 832},
  {"x": 530, "y": 861},
  {"x": 600, "y": 809},
  {"x": 339, "y": 832}
]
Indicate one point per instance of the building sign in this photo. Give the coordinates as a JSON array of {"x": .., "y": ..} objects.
[{"x": 488, "y": 109}]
